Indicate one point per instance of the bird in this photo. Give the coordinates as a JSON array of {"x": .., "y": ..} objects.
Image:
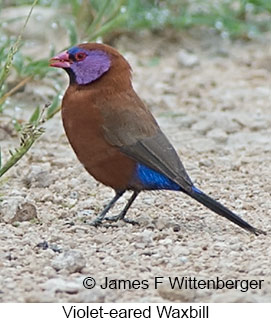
[{"x": 115, "y": 136}]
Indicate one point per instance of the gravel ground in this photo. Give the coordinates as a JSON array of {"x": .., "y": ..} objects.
[{"x": 212, "y": 99}]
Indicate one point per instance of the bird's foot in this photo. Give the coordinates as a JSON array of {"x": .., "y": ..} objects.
[
  {"x": 96, "y": 222},
  {"x": 120, "y": 217},
  {"x": 99, "y": 221}
]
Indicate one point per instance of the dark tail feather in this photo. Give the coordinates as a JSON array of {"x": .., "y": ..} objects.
[{"x": 222, "y": 210}]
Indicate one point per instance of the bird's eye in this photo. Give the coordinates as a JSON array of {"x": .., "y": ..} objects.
[{"x": 80, "y": 56}]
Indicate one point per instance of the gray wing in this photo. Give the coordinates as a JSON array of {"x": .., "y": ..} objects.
[{"x": 133, "y": 129}]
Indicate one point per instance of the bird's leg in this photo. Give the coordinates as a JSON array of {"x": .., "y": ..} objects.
[
  {"x": 122, "y": 214},
  {"x": 101, "y": 216}
]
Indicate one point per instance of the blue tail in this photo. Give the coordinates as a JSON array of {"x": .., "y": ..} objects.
[
  {"x": 153, "y": 180},
  {"x": 222, "y": 210}
]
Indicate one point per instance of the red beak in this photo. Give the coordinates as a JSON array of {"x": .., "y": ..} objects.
[{"x": 61, "y": 60}]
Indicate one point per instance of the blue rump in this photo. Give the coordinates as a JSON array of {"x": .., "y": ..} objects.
[{"x": 153, "y": 180}]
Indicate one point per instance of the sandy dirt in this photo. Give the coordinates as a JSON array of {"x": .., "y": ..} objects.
[{"x": 212, "y": 99}]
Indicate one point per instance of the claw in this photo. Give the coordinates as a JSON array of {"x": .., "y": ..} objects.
[{"x": 120, "y": 217}]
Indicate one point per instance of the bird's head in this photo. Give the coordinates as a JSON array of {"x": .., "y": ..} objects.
[{"x": 86, "y": 63}]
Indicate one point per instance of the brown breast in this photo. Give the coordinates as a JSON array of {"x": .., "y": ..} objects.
[{"x": 83, "y": 124}]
